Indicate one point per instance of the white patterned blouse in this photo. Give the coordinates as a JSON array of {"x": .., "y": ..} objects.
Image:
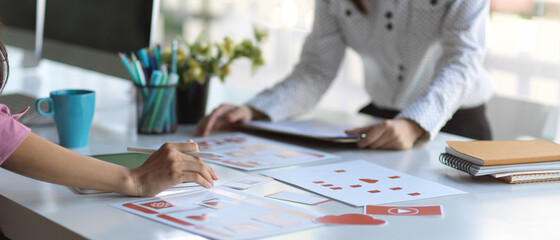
[{"x": 421, "y": 57}]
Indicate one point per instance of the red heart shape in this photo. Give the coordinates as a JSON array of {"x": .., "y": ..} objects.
[{"x": 368, "y": 180}]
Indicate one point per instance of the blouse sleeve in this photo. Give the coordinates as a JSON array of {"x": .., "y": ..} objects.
[
  {"x": 12, "y": 133},
  {"x": 320, "y": 59},
  {"x": 457, "y": 71}
]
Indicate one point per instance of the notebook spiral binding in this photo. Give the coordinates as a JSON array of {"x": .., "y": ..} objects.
[{"x": 457, "y": 163}]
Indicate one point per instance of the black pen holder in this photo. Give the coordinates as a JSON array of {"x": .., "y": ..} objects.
[{"x": 156, "y": 109}]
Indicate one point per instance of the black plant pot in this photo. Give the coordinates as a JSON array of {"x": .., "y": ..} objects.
[{"x": 191, "y": 102}]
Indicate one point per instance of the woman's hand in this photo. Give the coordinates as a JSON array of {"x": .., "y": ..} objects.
[
  {"x": 169, "y": 166},
  {"x": 395, "y": 134},
  {"x": 226, "y": 115}
]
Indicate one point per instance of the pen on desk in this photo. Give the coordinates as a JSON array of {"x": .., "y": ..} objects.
[{"x": 194, "y": 154}]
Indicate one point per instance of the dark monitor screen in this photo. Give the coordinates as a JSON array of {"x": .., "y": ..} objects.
[
  {"x": 107, "y": 25},
  {"x": 18, "y": 19},
  {"x": 89, "y": 33}
]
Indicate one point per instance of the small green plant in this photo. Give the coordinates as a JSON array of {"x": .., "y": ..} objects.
[{"x": 201, "y": 60}]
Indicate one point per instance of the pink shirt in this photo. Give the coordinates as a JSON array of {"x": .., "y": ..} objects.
[{"x": 12, "y": 132}]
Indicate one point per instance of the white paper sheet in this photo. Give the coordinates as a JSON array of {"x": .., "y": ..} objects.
[
  {"x": 299, "y": 198},
  {"x": 243, "y": 151},
  {"x": 248, "y": 152},
  {"x": 189, "y": 186},
  {"x": 222, "y": 213},
  {"x": 362, "y": 183},
  {"x": 247, "y": 182}
]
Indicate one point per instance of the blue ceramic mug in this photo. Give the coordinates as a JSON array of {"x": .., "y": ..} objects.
[{"x": 73, "y": 112}]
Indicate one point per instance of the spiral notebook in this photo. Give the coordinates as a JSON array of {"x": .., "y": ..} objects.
[
  {"x": 490, "y": 157},
  {"x": 529, "y": 176},
  {"x": 479, "y": 170},
  {"x": 488, "y": 153}
]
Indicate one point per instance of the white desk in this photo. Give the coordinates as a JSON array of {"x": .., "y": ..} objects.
[{"x": 30, "y": 209}]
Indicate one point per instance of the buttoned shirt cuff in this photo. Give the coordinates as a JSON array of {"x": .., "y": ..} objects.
[{"x": 429, "y": 120}]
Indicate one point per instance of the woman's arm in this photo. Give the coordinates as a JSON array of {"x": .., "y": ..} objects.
[
  {"x": 459, "y": 72},
  {"x": 320, "y": 59},
  {"x": 43, "y": 160}
]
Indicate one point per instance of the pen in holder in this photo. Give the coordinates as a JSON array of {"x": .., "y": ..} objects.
[
  {"x": 156, "y": 109},
  {"x": 155, "y": 90}
]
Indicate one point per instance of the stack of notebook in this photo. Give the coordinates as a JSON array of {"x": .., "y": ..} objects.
[{"x": 515, "y": 161}]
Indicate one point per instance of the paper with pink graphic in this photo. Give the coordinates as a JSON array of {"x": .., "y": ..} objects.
[
  {"x": 222, "y": 213},
  {"x": 248, "y": 152}
]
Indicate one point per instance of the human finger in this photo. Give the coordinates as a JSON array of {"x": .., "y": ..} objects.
[
  {"x": 202, "y": 169},
  {"x": 206, "y": 170},
  {"x": 212, "y": 172},
  {"x": 389, "y": 137},
  {"x": 381, "y": 140},
  {"x": 357, "y": 131},
  {"x": 192, "y": 163},
  {"x": 370, "y": 139},
  {"x": 196, "y": 147},
  {"x": 209, "y": 124},
  {"x": 214, "y": 116},
  {"x": 200, "y": 166},
  {"x": 392, "y": 145},
  {"x": 239, "y": 114},
  {"x": 195, "y": 164},
  {"x": 201, "y": 125},
  {"x": 221, "y": 123},
  {"x": 180, "y": 146},
  {"x": 372, "y": 135},
  {"x": 197, "y": 178}
]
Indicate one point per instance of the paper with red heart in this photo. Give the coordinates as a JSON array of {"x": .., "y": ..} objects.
[
  {"x": 223, "y": 213},
  {"x": 361, "y": 183},
  {"x": 349, "y": 219}
]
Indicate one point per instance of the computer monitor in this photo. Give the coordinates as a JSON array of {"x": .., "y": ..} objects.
[
  {"x": 22, "y": 27},
  {"x": 90, "y": 33}
]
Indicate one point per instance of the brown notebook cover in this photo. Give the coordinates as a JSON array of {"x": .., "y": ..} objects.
[{"x": 488, "y": 153}]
